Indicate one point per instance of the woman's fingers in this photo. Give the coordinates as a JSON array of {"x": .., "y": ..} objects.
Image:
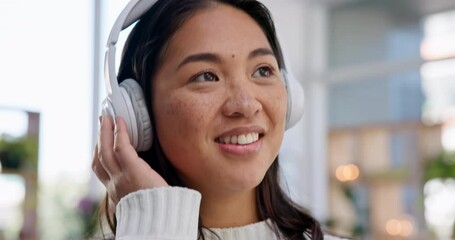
[
  {"x": 123, "y": 150},
  {"x": 117, "y": 164},
  {"x": 98, "y": 169},
  {"x": 140, "y": 173},
  {"x": 105, "y": 147}
]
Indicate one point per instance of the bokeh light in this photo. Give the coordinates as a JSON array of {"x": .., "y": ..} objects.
[
  {"x": 346, "y": 173},
  {"x": 400, "y": 227}
]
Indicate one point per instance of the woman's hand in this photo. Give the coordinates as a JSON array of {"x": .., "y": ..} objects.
[{"x": 117, "y": 165}]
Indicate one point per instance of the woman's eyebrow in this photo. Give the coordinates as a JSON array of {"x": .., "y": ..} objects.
[
  {"x": 211, "y": 57},
  {"x": 260, "y": 52},
  {"x": 200, "y": 57}
]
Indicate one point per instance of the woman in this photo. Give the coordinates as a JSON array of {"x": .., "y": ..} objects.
[{"x": 210, "y": 73}]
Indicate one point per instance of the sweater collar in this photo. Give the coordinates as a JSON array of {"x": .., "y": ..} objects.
[{"x": 260, "y": 230}]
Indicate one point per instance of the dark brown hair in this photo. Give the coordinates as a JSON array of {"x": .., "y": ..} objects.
[{"x": 141, "y": 58}]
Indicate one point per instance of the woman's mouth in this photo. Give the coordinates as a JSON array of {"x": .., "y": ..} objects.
[
  {"x": 242, "y": 145},
  {"x": 241, "y": 139}
]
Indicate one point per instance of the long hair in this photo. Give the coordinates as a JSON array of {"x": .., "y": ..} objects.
[{"x": 141, "y": 58}]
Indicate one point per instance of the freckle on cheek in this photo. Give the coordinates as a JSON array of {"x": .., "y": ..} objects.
[
  {"x": 191, "y": 113},
  {"x": 171, "y": 109},
  {"x": 199, "y": 114},
  {"x": 279, "y": 102}
]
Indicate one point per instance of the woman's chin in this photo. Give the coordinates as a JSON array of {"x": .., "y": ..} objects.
[{"x": 244, "y": 183}]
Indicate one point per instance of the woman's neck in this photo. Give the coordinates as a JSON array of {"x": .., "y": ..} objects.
[{"x": 233, "y": 210}]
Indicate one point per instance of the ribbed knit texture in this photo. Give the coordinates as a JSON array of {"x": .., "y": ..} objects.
[
  {"x": 260, "y": 230},
  {"x": 172, "y": 213},
  {"x": 167, "y": 213}
]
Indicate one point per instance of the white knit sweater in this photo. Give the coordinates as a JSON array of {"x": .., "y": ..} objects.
[{"x": 172, "y": 213}]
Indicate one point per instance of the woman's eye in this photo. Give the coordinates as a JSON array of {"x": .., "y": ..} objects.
[
  {"x": 263, "y": 72},
  {"x": 206, "y": 77}
]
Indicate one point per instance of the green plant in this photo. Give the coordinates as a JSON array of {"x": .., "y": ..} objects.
[
  {"x": 18, "y": 153},
  {"x": 441, "y": 166}
]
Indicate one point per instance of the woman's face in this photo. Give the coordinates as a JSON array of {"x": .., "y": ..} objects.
[{"x": 219, "y": 101}]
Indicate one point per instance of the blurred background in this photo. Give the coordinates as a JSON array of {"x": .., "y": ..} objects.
[{"x": 373, "y": 157}]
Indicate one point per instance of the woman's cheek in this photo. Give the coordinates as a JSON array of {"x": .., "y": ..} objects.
[
  {"x": 188, "y": 112},
  {"x": 278, "y": 103}
]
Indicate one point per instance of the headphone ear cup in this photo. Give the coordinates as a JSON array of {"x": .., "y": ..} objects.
[
  {"x": 296, "y": 99},
  {"x": 144, "y": 125}
]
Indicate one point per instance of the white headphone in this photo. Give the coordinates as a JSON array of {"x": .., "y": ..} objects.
[{"x": 127, "y": 99}]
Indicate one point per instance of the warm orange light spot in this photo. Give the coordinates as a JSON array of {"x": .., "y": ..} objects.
[
  {"x": 349, "y": 172},
  {"x": 395, "y": 227},
  {"x": 407, "y": 228}
]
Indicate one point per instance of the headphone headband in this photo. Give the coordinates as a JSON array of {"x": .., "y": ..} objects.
[
  {"x": 130, "y": 14},
  {"x": 118, "y": 101}
]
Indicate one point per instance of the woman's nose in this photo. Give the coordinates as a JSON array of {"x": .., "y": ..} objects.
[{"x": 241, "y": 101}]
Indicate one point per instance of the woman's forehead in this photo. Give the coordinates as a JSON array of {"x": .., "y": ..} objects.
[{"x": 221, "y": 29}]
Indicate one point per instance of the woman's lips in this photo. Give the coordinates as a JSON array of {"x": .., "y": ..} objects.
[
  {"x": 241, "y": 141},
  {"x": 241, "y": 149}
]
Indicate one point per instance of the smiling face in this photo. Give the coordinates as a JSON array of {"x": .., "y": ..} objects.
[{"x": 219, "y": 101}]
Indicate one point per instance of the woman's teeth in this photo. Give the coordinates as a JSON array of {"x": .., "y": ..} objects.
[{"x": 240, "y": 139}]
